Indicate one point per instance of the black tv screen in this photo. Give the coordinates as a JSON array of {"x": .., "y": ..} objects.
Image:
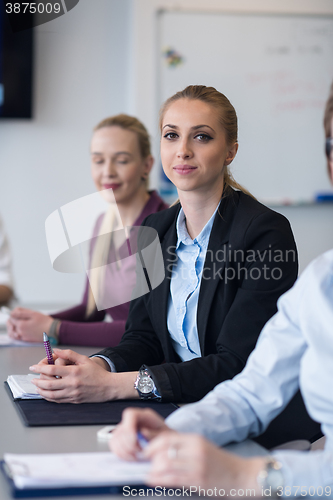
[{"x": 16, "y": 70}]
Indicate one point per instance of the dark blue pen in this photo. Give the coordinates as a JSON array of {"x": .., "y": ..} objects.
[{"x": 142, "y": 440}]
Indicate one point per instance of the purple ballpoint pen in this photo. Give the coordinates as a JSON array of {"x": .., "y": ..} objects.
[{"x": 48, "y": 349}]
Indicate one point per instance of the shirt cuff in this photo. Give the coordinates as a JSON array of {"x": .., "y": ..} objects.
[
  {"x": 309, "y": 472},
  {"x": 109, "y": 362},
  {"x": 6, "y": 280}
]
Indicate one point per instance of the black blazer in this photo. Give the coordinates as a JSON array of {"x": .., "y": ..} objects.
[{"x": 251, "y": 260}]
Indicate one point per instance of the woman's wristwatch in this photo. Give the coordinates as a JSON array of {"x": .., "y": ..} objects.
[
  {"x": 145, "y": 385},
  {"x": 271, "y": 477}
]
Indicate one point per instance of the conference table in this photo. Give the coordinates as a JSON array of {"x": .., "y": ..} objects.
[{"x": 16, "y": 438}]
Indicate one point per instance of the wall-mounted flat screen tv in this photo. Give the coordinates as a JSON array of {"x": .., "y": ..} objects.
[{"x": 16, "y": 70}]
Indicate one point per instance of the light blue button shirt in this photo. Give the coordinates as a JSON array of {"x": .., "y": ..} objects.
[
  {"x": 184, "y": 290},
  {"x": 294, "y": 350},
  {"x": 185, "y": 287}
]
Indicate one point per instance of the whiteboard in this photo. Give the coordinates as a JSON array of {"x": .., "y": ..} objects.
[{"x": 276, "y": 70}]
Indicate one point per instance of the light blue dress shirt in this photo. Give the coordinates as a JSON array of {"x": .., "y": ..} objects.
[
  {"x": 184, "y": 290},
  {"x": 185, "y": 287},
  {"x": 294, "y": 350}
]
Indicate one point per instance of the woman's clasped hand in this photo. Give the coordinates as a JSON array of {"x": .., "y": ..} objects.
[{"x": 75, "y": 378}]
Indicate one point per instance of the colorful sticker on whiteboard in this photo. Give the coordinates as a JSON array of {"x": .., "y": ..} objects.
[{"x": 172, "y": 57}]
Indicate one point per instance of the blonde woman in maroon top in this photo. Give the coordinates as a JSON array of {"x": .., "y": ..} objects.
[{"x": 121, "y": 160}]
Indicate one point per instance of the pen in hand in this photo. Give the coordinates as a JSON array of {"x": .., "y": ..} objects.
[
  {"x": 48, "y": 349},
  {"x": 143, "y": 442}
]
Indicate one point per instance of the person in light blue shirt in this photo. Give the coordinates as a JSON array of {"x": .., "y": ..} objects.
[{"x": 294, "y": 350}]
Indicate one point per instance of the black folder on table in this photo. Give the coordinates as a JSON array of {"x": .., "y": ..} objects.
[{"x": 39, "y": 412}]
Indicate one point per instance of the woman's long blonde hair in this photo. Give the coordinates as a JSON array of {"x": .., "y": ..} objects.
[
  {"x": 111, "y": 220},
  {"x": 227, "y": 118}
]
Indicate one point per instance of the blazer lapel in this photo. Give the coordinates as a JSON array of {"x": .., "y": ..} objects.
[
  {"x": 215, "y": 261},
  {"x": 160, "y": 297}
]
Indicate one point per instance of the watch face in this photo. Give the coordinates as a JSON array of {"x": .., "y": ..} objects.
[
  {"x": 274, "y": 479},
  {"x": 145, "y": 384}
]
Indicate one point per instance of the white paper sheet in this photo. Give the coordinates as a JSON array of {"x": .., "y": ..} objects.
[
  {"x": 22, "y": 388},
  {"x": 74, "y": 469},
  {"x": 3, "y": 321},
  {"x": 6, "y": 341}
]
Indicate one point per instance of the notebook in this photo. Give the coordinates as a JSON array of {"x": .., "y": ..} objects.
[
  {"x": 22, "y": 387},
  {"x": 67, "y": 472}
]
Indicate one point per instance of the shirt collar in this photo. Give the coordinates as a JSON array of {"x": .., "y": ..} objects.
[{"x": 185, "y": 238}]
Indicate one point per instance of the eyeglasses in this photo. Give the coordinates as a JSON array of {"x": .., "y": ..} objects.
[{"x": 329, "y": 148}]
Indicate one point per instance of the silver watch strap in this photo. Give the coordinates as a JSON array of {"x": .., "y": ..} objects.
[{"x": 154, "y": 393}]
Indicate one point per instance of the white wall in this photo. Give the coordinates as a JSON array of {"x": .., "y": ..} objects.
[
  {"x": 312, "y": 225},
  {"x": 81, "y": 76},
  {"x": 88, "y": 65}
]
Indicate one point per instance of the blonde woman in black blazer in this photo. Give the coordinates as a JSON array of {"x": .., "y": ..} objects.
[{"x": 251, "y": 259}]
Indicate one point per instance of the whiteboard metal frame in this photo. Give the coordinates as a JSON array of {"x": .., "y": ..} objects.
[{"x": 143, "y": 88}]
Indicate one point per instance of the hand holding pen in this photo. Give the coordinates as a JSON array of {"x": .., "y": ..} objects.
[{"x": 137, "y": 427}]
